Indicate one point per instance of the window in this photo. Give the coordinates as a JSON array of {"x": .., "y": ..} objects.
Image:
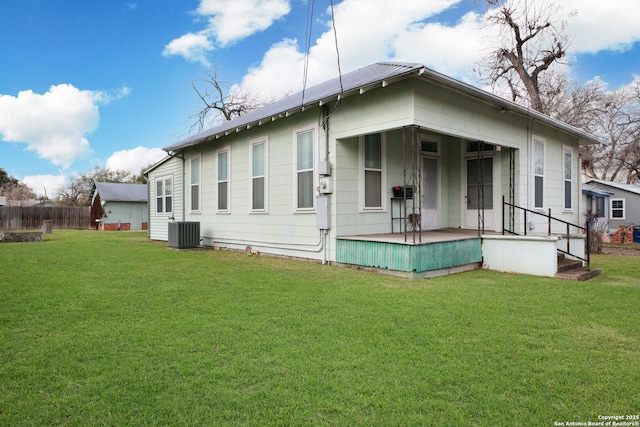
[
  {"x": 372, "y": 161},
  {"x": 475, "y": 146},
  {"x": 164, "y": 192},
  {"x": 617, "y": 209},
  {"x": 567, "y": 160},
  {"x": 195, "y": 184},
  {"x": 538, "y": 173},
  {"x": 223, "y": 180},
  {"x": 304, "y": 169},
  {"x": 595, "y": 206},
  {"x": 258, "y": 176}
]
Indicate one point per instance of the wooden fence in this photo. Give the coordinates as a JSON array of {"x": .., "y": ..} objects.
[{"x": 32, "y": 218}]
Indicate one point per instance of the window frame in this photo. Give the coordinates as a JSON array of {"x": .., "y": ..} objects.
[
  {"x": 264, "y": 176},
  {"x": 163, "y": 197},
  {"x": 198, "y": 209},
  {"x": 623, "y": 209},
  {"x": 535, "y": 175},
  {"x": 362, "y": 169},
  {"x": 312, "y": 169},
  {"x": 567, "y": 181},
  {"x": 223, "y": 150}
]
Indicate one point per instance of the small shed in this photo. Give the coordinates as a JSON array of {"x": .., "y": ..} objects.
[{"x": 116, "y": 206}]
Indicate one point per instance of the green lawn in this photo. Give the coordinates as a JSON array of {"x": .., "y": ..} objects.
[{"x": 109, "y": 328}]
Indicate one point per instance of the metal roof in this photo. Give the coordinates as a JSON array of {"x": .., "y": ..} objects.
[
  {"x": 117, "y": 192},
  {"x": 620, "y": 186},
  {"x": 357, "y": 82}
]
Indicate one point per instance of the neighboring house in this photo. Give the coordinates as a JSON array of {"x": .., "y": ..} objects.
[
  {"x": 393, "y": 166},
  {"x": 623, "y": 204},
  {"x": 595, "y": 207},
  {"x": 116, "y": 206}
]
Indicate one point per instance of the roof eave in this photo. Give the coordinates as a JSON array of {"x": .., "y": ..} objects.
[{"x": 506, "y": 106}]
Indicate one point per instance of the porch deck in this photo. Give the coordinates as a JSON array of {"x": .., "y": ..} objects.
[{"x": 431, "y": 253}]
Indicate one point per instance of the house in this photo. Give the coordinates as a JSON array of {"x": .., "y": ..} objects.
[
  {"x": 393, "y": 167},
  {"x": 622, "y": 206},
  {"x": 116, "y": 206},
  {"x": 595, "y": 207}
]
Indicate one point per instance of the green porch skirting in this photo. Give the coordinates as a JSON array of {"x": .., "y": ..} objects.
[{"x": 409, "y": 257}]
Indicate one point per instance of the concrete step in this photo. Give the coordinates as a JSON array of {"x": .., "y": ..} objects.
[
  {"x": 568, "y": 264},
  {"x": 578, "y": 274}
]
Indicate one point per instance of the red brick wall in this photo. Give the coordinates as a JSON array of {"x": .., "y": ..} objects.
[{"x": 124, "y": 226}]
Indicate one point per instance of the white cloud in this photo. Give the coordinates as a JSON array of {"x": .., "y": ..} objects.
[
  {"x": 411, "y": 31},
  {"x": 46, "y": 184},
  {"x": 192, "y": 47},
  {"x": 397, "y": 22},
  {"x": 135, "y": 159},
  {"x": 598, "y": 26},
  {"x": 227, "y": 22},
  {"x": 54, "y": 125},
  {"x": 265, "y": 81},
  {"x": 230, "y": 21}
]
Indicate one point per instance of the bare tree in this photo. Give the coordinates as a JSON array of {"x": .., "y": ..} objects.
[
  {"x": 220, "y": 103},
  {"x": 15, "y": 191},
  {"x": 612, "y": 116},
  {"x": 78, "y": 190},
  {"x": 17, "y": 194},
  {"x": 530, "y": 39},
  {"x": 530, "y": 46},
  {"x": 617, "y": 122}
]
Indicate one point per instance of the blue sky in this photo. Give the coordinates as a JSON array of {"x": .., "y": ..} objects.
[{"x": 108, "y": 82}]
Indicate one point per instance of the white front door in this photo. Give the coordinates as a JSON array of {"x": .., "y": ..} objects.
[
  {"x": 478, "y": 192},
  {"x": 430, "y": 194}
]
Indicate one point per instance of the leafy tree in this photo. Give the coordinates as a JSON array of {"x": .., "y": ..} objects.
[{"x": 6, "y": 179}]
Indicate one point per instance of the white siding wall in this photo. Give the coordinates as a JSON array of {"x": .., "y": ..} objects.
[
  {"x": 158, "y": 223},
  {"x": 281, "y": 230},
  {"x": 126, "y": 212}
]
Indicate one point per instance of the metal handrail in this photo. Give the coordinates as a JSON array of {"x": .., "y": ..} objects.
[{"x": 586, "y": 259}]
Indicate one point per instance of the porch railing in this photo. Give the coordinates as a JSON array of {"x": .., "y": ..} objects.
[{"x": 550, "y": 219}]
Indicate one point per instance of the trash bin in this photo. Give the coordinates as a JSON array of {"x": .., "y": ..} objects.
[{"x": 636, "y": 234}]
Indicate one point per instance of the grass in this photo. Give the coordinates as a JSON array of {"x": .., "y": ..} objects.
[{"x": 100, "y": 328}]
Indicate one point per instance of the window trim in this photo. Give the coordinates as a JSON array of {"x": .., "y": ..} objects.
[
  {"x": 538, "y": 140},
  {"x": 265, "y": 176},
  {"x": 623, "y": 209},
  {"x": 199, "y": 184},
  {"x": 164, "y": 179},
  {"x": 566, "y": 149},
  {"x": 227, "y": 150},
  {"x": 383, "y": 174},
  {"x": 296, "y": 132}
]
